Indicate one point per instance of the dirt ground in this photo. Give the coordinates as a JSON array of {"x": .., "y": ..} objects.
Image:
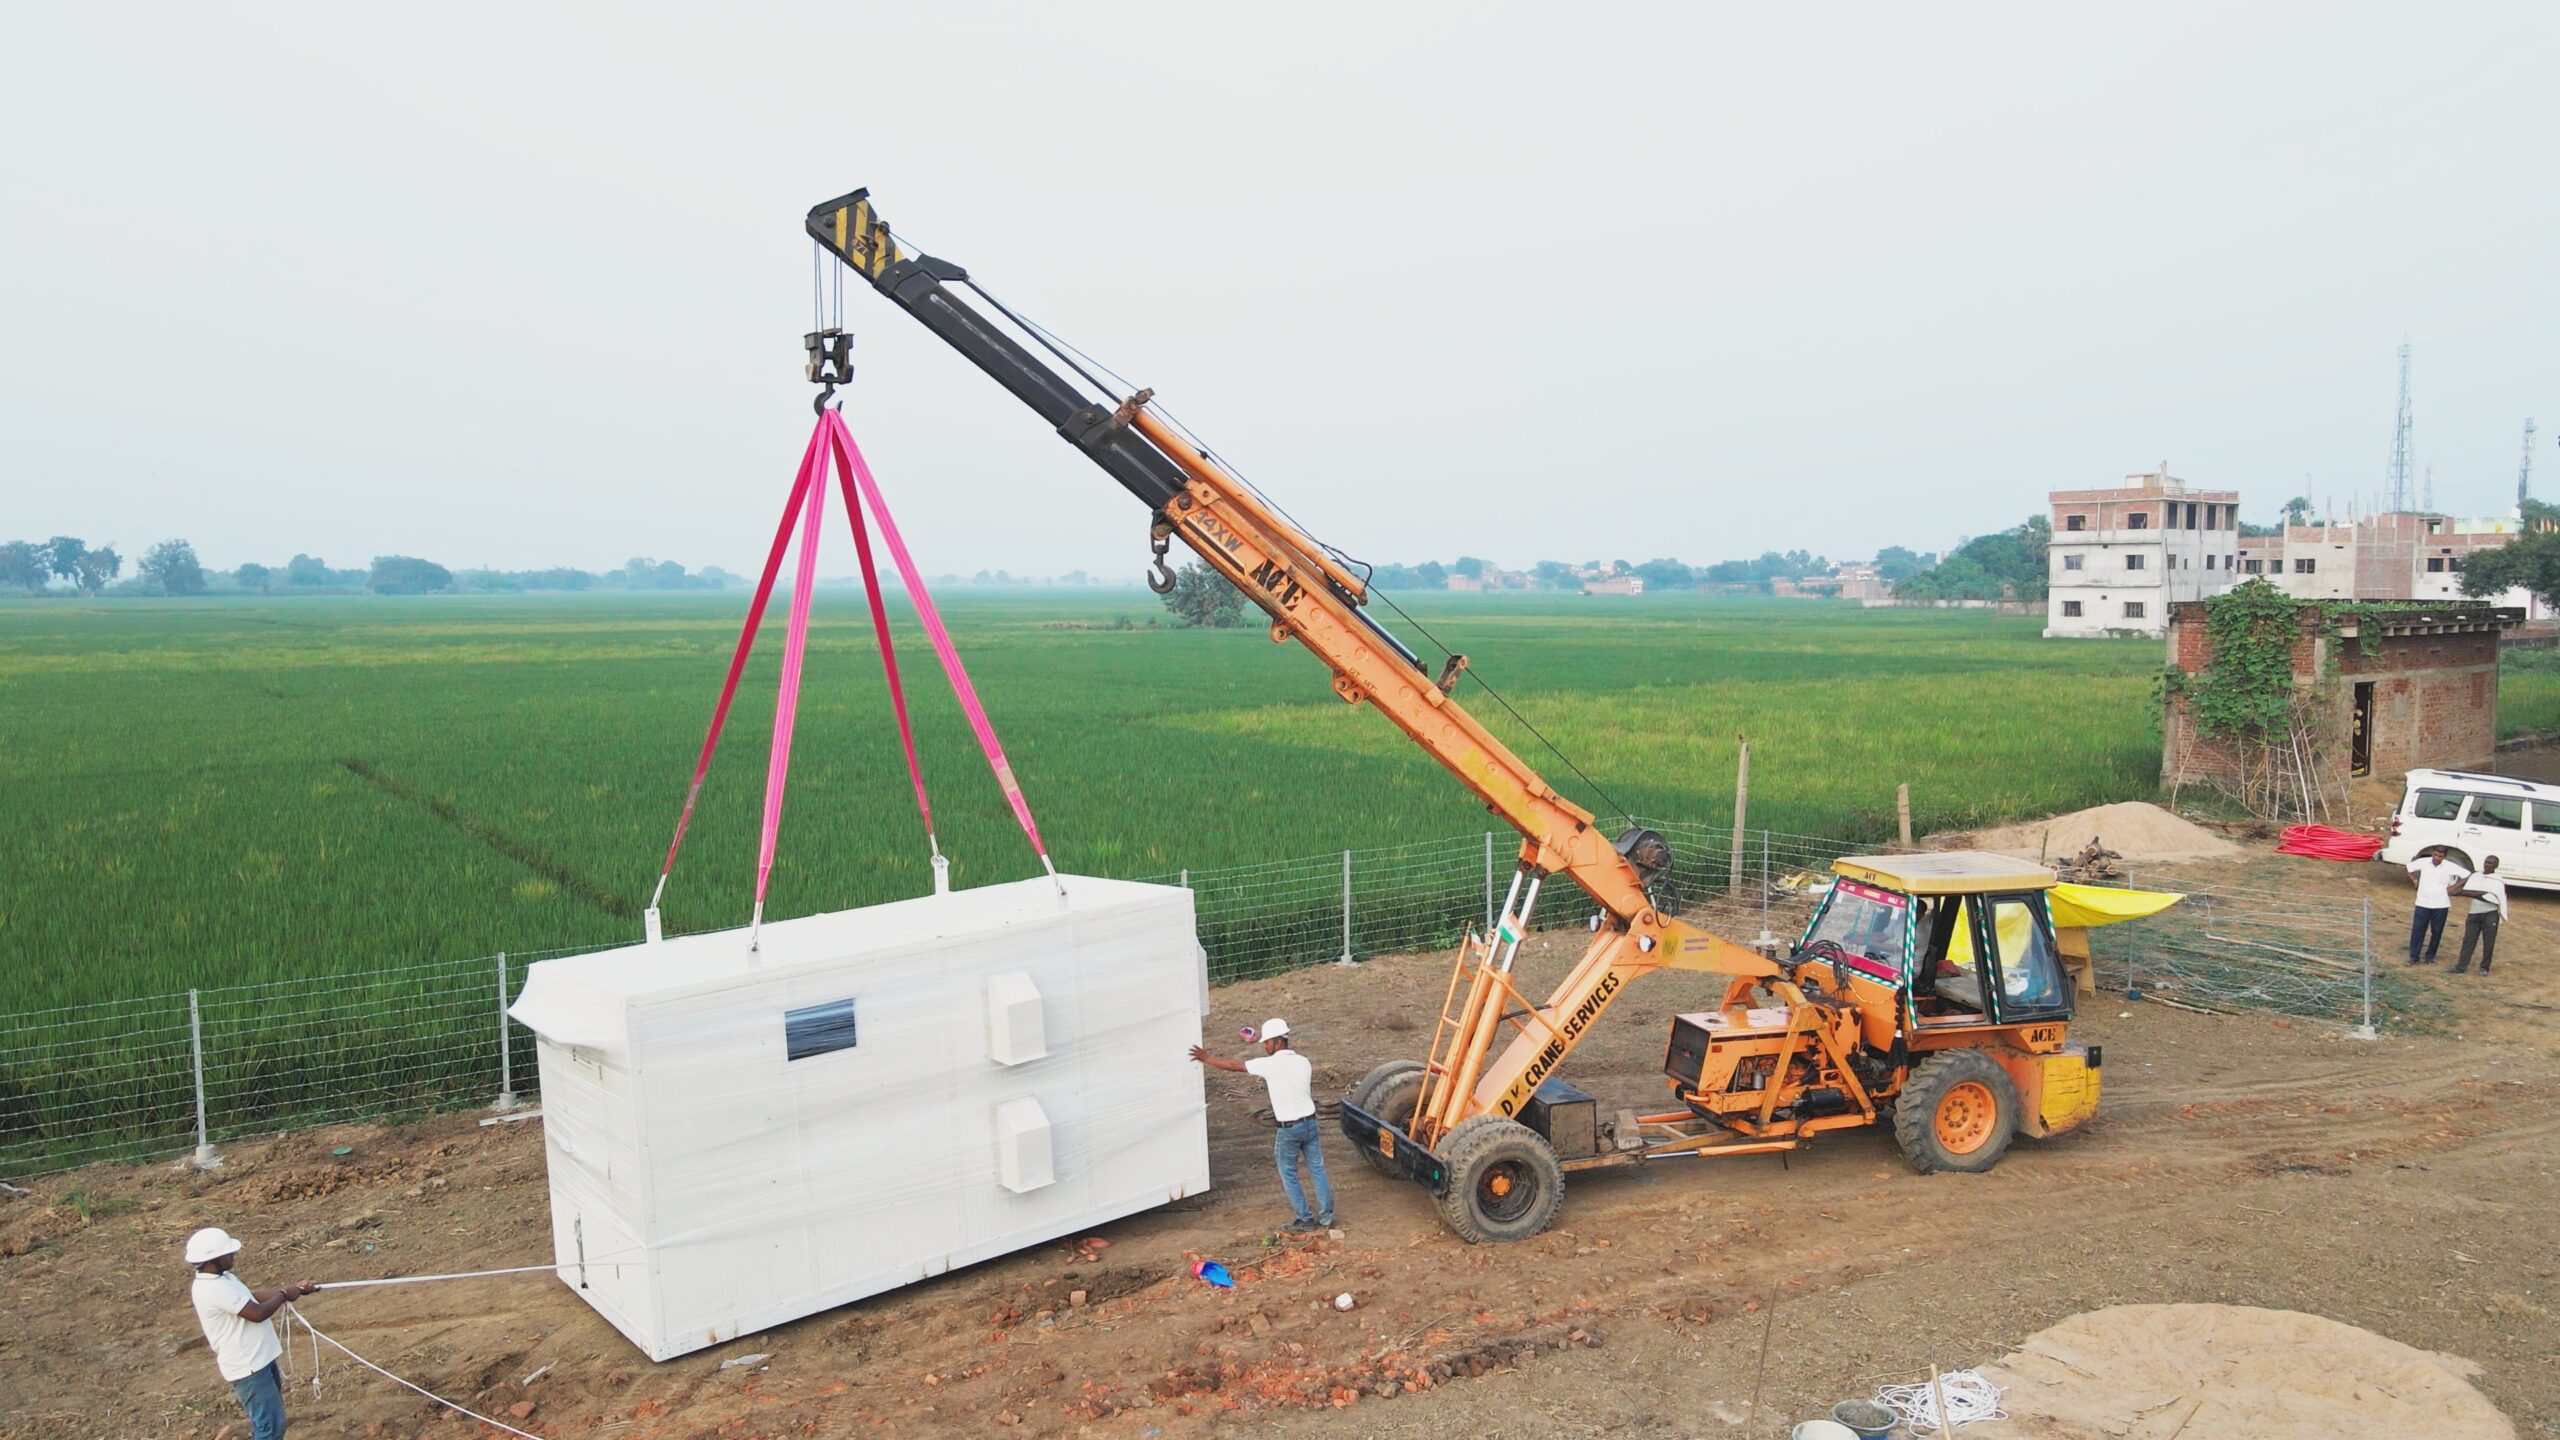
[{"x": 2404, "y": 1185}]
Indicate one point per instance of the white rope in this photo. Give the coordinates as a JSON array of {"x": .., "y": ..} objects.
[
  {"x": 1969, "y": 1398},
  {"x": 318, "y": 1335},
  {"x": 423, "y": 1279}
]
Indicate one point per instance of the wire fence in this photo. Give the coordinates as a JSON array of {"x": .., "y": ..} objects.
[{"x": 153, "y": 1076}]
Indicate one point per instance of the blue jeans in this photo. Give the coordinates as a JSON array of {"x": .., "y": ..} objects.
[
  {"x": 1298, "y": 1137},
  {"x": 2426, "y": 931},
  {"x": 262, "y": 1395}
]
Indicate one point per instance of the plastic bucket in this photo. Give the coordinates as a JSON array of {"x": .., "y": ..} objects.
[{"x": 1865, "y": 1418}]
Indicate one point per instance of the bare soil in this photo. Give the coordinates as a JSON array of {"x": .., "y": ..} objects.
[{"x": 2404, "y": 1185}]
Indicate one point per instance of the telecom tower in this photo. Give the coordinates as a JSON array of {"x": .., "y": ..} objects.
[
  {"x": 2524, "y": 467},
  {"x": 2396, "y": 496}
]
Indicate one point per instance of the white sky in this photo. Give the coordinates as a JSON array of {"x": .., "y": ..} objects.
[{"x": 524, "y": 284}]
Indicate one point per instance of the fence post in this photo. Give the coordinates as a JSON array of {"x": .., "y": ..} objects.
[
  {"x": 1488, "y": 883},
  {"x": 1346, "y": 910},
  {"x": 1186, "y": 877},
  {"x": 506, "y": 1044},
  {"x": 1741, "y": 806},
  {"x": 205, "y": 1158},
  {"x": 2366, "y": 1031},
  {"x": 1767, "y": 940},
  {"x": 1902, "y": 811}
]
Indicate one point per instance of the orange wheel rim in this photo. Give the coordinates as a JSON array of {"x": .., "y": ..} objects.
[
  {"x": 1500, "y": 1185},
  {"x": 1965, "y": 1117}
]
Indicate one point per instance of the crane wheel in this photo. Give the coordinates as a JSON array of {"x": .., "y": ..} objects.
[
  {"x": 1505, "y": 1182},
  {"x": 1389, "y": 1092},
  {"x": 1958, "y": 1113}
]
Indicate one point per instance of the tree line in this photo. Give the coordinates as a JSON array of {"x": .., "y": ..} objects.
[{"x": 172, "y": 568}]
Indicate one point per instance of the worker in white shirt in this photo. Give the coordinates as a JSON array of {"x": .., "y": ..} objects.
[
  {"x": 239, "y": 1328},
  {"x": 2488, "y": 911},
  {"x": 2436, "y": 878},
  {"x": 1292, "y": 1083}
]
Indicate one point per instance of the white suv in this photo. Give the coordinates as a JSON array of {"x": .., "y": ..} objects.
[{"x": 2476, "y": 816}]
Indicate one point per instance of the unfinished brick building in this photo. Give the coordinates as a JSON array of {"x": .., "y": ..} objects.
[{"x": 2422, "y": 692}]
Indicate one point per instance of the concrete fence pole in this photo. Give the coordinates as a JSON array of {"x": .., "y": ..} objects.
[
  {"x": 1488, "y": 882},
  {"x": 1902, "y": 811},
  {"x": 204, "y": 1158},
  {"x": 1741, "y": 807},
  {"x": 2366, "y": 1031},
  {"x": 506, "y": 1044},
  {"x": 1186, "y": 877},
  {"x": 1346, "y": 909},
  {"x": 1767, "y": 940}
]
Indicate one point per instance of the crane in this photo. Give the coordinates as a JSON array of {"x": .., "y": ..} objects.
[{"x": 1476, "y": 1122}]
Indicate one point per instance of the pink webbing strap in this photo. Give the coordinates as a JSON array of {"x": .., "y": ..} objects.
[
  {"x": 849, "y": 457},
  {"x": 888, "y": 651},
  {"x": 786, "y": 699},
  {"x": 810, "y": 461}
]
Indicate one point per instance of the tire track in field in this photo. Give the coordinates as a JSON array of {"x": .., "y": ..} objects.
[{"x": 496, "y": 839}]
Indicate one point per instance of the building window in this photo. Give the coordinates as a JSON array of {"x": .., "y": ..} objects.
[
  {"x": 817, "y": 1030},
  {"x": 2133, "y": 609},
  {"x": 2138, "y": 520},
  {"x": 2305, "y": 567},
  {"x": 2435, "y": 564},
  {"x": 2070, "y": 609},
  {"x": 2133, "y": 562},
  {"x": 2072, "y": 562},
  {"x": 2208, "y": 562},
  {"x": 2075, "y": 522}
]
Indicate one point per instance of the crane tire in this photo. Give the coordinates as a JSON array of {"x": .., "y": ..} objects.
[
  {"x": 1957, "y": 1114},
  {"x": 1388, "y": 1092},
  {"x": 1505, "y": 1182}
]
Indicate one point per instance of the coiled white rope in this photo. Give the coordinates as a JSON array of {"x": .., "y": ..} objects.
[{"x": 1969, "y": 1398}]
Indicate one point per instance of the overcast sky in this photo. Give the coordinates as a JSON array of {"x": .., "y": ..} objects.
[{"x": 525, "y": 284}]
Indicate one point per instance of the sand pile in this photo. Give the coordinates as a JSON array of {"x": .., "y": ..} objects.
[
  {"x": 2143, "y": 834},
  {"x": 2230, "y": 1372}
]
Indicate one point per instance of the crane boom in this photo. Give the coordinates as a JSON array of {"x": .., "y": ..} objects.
[{"x": 1314, "y": 598}]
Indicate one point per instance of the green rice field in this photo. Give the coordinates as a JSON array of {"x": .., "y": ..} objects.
[
  {"x": 327, "y": 814},
  {"x": 212, "y": 792}
]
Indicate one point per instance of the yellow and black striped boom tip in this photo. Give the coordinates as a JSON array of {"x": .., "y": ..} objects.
[{"x": 853, "y": 233}]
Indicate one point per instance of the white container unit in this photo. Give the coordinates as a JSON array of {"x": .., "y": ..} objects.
[{"x": 737, "y": 1140}]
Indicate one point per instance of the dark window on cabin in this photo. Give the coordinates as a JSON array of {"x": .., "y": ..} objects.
[{"x": 817, "y": 1029}]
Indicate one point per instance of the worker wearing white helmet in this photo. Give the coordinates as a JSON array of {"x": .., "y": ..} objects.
[
  {"x": 1291, "y": 1082},
  {"x": 238, "y": 1327}
]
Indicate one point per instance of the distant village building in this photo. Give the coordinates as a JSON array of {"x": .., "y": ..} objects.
[
  {"x": 2120, "y": 557},
  {"x": 1860, "y": 582},
  {"x": 2398, "y": 556},
  {"x": 1613, "y": 585}
]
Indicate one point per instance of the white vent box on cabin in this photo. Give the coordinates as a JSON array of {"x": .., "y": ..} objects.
[{"x": 878, "y": 1096}]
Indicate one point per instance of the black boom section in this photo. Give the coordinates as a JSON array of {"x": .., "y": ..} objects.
[{"x": 916, "y": 284}]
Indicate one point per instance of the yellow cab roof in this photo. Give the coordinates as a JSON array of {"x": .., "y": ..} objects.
[{"x": 1945, "y": 872}]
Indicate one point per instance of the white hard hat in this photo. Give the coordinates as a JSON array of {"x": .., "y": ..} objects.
[
  {"x": 1274, "y": 1028},
  {"x": 210, "y": 1243}
]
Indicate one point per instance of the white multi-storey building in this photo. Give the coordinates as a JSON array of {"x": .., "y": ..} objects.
[{"x": 2120, "y": 557}]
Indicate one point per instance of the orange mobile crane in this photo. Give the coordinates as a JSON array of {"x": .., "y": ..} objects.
[{"x": 1481, "y": 1122}]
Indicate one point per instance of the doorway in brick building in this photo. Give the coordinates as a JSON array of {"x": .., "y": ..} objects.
[{"x": 2360, "y": 740}]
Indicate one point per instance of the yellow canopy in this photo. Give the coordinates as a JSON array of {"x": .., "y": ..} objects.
[
  {"x": 2080, "y": 905},
  {"x": 2098, "y": 905}
]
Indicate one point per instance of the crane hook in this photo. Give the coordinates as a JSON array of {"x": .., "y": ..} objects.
[
  {"x": 1159, "y": 540},
  {"x": 830, "y": 364}
]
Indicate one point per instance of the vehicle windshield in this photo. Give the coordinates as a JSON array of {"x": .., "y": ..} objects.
[{"x": 1868, "y": 926}]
